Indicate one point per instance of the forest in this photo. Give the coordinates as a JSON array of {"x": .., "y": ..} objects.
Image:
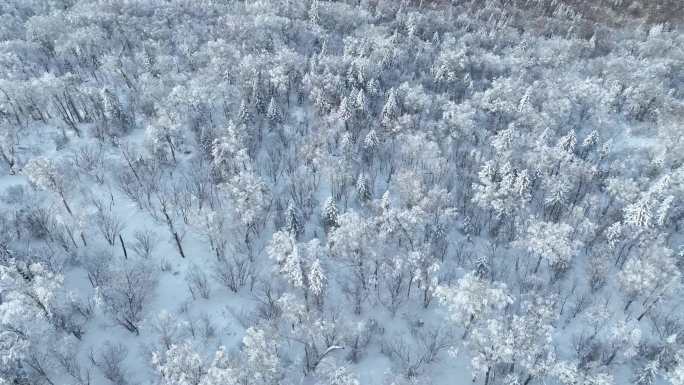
[{"x": 350, "y": 192}]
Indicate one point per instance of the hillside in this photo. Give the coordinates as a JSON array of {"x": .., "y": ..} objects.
[{"x": 357, "y": 192}]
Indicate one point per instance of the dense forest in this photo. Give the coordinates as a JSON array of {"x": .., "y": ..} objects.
[{"x": 353, "y": 192}]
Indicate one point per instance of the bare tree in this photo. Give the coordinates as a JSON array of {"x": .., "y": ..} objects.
[
  {"x": 90, "y": 161},
  {"x": 68, "y": 361},
  {"x": 110, "y": 362},
  {"x": 109, "y": 224},
  {"x": 198, "y": 283},
  {"x": 144, "y": 243},
  {"x": 414, "y": 357},
  {"x": 98, "y": 268},
  {"x": 233, "y": 272},
  {"x": 127, "y": 292}
]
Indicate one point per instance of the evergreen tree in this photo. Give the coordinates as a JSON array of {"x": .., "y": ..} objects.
[
  {"x": 273, "y": 113},
  {"x": 244, "y": 115},
  {"x": 293, "y": 223},
  {"x": 362, "y": 188},
  {"x": 390, "y": 111},
  {"x": 329, "y": 213}
]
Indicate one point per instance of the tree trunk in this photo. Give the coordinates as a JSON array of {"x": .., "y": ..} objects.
[
  {"x": 536, "y": 268},
  {"x": 173, "y": 231},
  {"x": 173, "y": 151},
  {"x": 123, "y": 246},
  {"x": 178, "y": 244},
  {"x": 66, "y": 205},
  {"x": 489, "y": 371}
]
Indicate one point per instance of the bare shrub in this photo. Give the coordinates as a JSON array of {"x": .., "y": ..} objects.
[
  {"x": 198, "y": 283},
  {"x": 233, "y": 272},
  {"x": 110, "y": 362},
  {"x": 144, "y": 243}
]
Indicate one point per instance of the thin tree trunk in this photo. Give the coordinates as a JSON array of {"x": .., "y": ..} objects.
[
  {"x": 66, "y": 205},
  {"x": 178, "y": 244},
  {"x": 536, "y": 268},
  {"x": 173, "y": 151},
  {"x": 123, "y": 246},
  {"x": 173, "y": 231}
]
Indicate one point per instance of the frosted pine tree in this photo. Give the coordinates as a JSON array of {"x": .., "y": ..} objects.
[
  {"x": 640, "y": 213},
  {"x": 370, "y": 142},
  {"x": 9, "y": 140},
  {"x": 676, "y": 375},
  {"x": 314, "y": 16},
  {"x": 116, "y": 119},
  {"x": 257, "y": 96},
  {"x": 273, "y": 112},
  {"x": 523, "y": 186},
  {"x": 647, "y": 374},
  {"x": 386, "y": 202},
  {"x": 344, "y": 113},
  {"x": 293, "y": 224},
  {"x": 390, "y": 111},
  {"x": 362, "y": 188},
  {"x": 370, "y": 145},
  {"x": 244, "y": 114},
  {"x": 316, "y": 277},
  {"x": 568, "y": 142},
  {"x": 361, "y": 103},
  {"x": 329, "y": 213}
]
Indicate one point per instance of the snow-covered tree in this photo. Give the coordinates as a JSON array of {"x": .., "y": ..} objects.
[
  {"x": 293, "y": 223},
  {"x": 164, "y": 136},
  {"x": 390, "y": 111},
  {"x": 220, "y": 371},
  {"x": 362, "y": 188},
  {"x": 263, "y": 365},
  {"x": 249, "y": 196},
  {"x": 472, "y": 299},
  {"x": 179, "y": 365},
  {"x": 228, "y": 151},
  {"x": 650, "y": 277},
  {"x": 329, "y": 213},
  {"x": 273, "y": 112},
  {"x": 28, "y": 313},
  {"x": 552, "y": 242},
  {"x": 284, "y": 250},
  {"x": 127, "y": 292},
  {"x": 676, "y": 375},
  {"x": 9, "y": 140},
  {"x": 53, "y": 175},
  {"x": 492, "y": 344}
]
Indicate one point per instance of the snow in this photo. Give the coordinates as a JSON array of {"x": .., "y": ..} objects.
[{"x": 456, "y": 228}]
